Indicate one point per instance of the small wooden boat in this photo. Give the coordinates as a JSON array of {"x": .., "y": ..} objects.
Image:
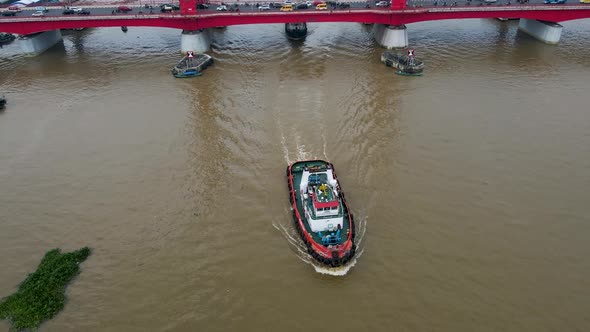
[
  {"x": 405, "y": 64},
  {"x": 321, "y": 215},
  {"x": 124, "y": 29},
  {"x": 192, "y": 66}
]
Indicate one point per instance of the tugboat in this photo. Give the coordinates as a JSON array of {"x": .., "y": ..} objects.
[
  {"x": 192, "y": 65},
  {"x": 6, "y": 37},
  {"x": 321, "y": 215},
  {"x": 405, "y": 64},
  {"x": 2, "y": 102}
]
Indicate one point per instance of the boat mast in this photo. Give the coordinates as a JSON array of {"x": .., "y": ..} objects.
[{"x": 411, "y": 56}]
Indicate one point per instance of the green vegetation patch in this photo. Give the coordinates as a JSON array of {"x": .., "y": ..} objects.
[{"x": 42, "y": 295}]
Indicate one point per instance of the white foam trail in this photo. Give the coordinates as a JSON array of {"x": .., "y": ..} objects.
[
  {"x": 300, "y": 250},
  {"x": 284, "y": 143},
  {"x": 361, "y": 229},
  {"x": 338, "y": 271},
  {"x": 301, "y": 154}
]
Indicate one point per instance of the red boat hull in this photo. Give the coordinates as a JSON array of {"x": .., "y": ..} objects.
[{"x": 334, "y": 256}]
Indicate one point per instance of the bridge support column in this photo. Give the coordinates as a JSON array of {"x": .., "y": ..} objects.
[
  {"x": 390, "y": 36},
  {"x": 38, "y": 43},
  {"x": 197, "y": 41},
  {"x": 547, "y": 32},
  {"x": 296, "y": 30}
]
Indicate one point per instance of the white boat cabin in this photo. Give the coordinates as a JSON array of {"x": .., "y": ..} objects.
[{"x": 321, "y": 201}]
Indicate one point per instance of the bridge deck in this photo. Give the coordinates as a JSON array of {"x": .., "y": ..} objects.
[{"x": 202, "y": 20}]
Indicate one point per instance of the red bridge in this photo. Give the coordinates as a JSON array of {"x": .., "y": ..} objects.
[{"x": 392, "y": 18}]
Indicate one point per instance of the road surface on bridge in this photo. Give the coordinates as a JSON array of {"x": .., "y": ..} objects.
[
  {"x": 53, "y": 11},
  {"x": 54, "y": 19}
]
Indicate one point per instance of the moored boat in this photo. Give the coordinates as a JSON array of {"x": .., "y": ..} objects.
[
  {"x": 192, "y": 65},
  {"x": 6, "y": 37},
  {"x": 322, "y": 217},
  {"x": 405, "y": 64}
]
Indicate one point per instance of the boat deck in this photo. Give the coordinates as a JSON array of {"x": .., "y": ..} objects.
[
  {"x": 195, "y": 64},
  {"x": 297, "y": 170}
]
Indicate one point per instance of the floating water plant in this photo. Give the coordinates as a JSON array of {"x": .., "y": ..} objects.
[{"x": 42, "y": 295}]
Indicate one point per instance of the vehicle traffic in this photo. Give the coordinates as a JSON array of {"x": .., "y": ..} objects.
[{"x": 123, "y": 9}]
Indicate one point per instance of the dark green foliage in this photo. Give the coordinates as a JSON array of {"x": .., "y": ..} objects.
[{"x": 42, "y": 295}]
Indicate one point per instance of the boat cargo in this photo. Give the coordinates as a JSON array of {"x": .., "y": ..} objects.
[
  {"x": 320, "y": 212},
  {"x": 192, "y": 66},
  {"x": 405, "y": 65}
]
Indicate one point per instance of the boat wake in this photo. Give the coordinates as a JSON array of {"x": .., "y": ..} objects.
[
  {"x": 297, "y": 245},
  {"x": 301, "y": 152},
  {"x": 338, "y": 271}
]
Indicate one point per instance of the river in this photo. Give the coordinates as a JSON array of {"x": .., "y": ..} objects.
[{"x": 469, "y": 185}]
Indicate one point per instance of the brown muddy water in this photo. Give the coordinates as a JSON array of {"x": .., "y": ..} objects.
[{"x": 470, "y": 184}]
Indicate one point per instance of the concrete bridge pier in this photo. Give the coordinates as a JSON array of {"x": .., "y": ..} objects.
[
  {"x": 547, "y": 32},
  {"x": 38, "y": 43},
  {"x": 198, "y": 41},
  {"x": 390, "y": 36},
  {"x": 296, "y": 30}
]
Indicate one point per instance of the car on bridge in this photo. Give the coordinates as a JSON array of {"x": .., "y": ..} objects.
[
  {"x": 123, "y": 9},
  {"x": 222, "y": 8},
  {"x": 382, "y": 4},
  {"x": 68, "y": 12},
  {"x": 287, "y": 8},
  {"x": 84, "y": 12},
  {"x": 321, "y": 6},
  {"x": 554, "y": 2},
  {"x": 9, "y": 13},
  {"x": 38, "y": 13},
  {"x": 263, "y": 7},
  {"x": 15, "y": 9},
  {"x": 74, "y": 9},
  {"x": 584, "y": 1},
  {"x": 202, "y": 6}
]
